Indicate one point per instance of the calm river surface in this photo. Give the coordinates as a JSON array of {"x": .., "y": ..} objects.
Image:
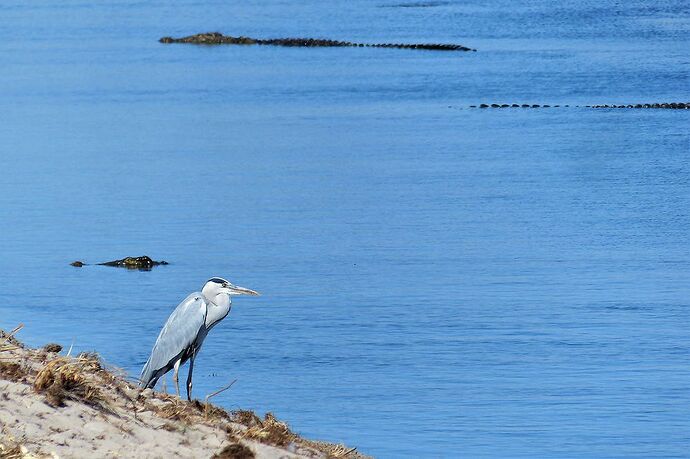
[{"x": 437, "y": 281}]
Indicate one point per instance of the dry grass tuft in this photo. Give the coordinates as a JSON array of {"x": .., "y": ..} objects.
[
  {"x": 333, "y": 451},
  {"x": 271, "y": 431},
  {"x": 14, "y": 452},
  {"x": 8, "y": 338},
  {"x": 64, "y": 378},
  {"x": 234, "y": 451},
  {"x": 195, "y": 411},
  {"x": 12, "y": 371},
  {"x": 246, "y": 418},
  {"x": 6, "y": 346},
  {"x": 92, "y": 358},
  {"x": 10, "y": 449},
  {"x": 175, "y": 410},
  {"x": 213, "y": 412}
]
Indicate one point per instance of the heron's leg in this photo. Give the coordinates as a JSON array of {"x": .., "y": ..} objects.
[
  {"x": 177, "y": 384},
  {"x": 189, "y": 376}
]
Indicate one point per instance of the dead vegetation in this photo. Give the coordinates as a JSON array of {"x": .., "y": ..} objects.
[
  {"x": 84, "y": 380},
  {"x": 246, "y": 418},
  {"x": 7, "y": 340},
  {"x": 234, "y": 451},
  {"x": 12, "y": 371},
  {"x": 59, "y": 378},
  {"x": 172, "y": 408},
  {"x": 65, "y": 378},
  {"x": 332, "y": 450},
  {"x": 270, "y": 430},
  {"x": 274, "y": 432},
  {"x": 9, "y": 368},
  {"x": 11, "y": 450}
]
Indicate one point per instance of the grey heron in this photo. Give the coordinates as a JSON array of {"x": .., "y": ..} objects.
[{"x": 186, "y": 328}]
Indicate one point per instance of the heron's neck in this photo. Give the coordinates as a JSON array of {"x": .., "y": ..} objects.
[{"x": 218, "y": 308}]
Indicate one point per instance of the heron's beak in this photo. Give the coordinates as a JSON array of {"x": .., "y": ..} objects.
[{"x": 237, "y": 290}]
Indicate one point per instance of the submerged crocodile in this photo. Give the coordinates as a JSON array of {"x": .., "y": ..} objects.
[
  {"x": 217, "y": 38},
  {"x": 664, "y": 105},
  {"x": 143, "y": 263}
]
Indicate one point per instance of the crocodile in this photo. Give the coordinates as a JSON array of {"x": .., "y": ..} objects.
[
  {"x": 143, "y": 263},
  {"x": 664, "y": 105},
  {"x": 217, "y": 38}
]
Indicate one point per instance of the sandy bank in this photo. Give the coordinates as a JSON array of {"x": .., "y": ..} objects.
[{"x": 52, "y": 405}]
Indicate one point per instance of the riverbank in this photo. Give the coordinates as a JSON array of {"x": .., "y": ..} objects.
[{"x": 54, "y": 405}]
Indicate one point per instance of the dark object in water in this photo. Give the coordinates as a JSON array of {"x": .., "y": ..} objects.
[
  {"x": 665, "y": 106},
  {"x": 143, "y": 263},
  {"x": 217, "y": 38},
  {"x": 417, "y": 5}
]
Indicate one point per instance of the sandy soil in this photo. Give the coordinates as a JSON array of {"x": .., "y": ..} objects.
[{"x": 52, "y": 405}]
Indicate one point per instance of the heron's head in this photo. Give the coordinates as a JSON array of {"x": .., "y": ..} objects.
[{"x": 218, "y": 286}]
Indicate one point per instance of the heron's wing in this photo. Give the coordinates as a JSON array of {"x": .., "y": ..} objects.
[{"x": 178, "y": 334}]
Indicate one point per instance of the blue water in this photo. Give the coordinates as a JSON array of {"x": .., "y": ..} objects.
[{"x": 437, "y": 281}]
